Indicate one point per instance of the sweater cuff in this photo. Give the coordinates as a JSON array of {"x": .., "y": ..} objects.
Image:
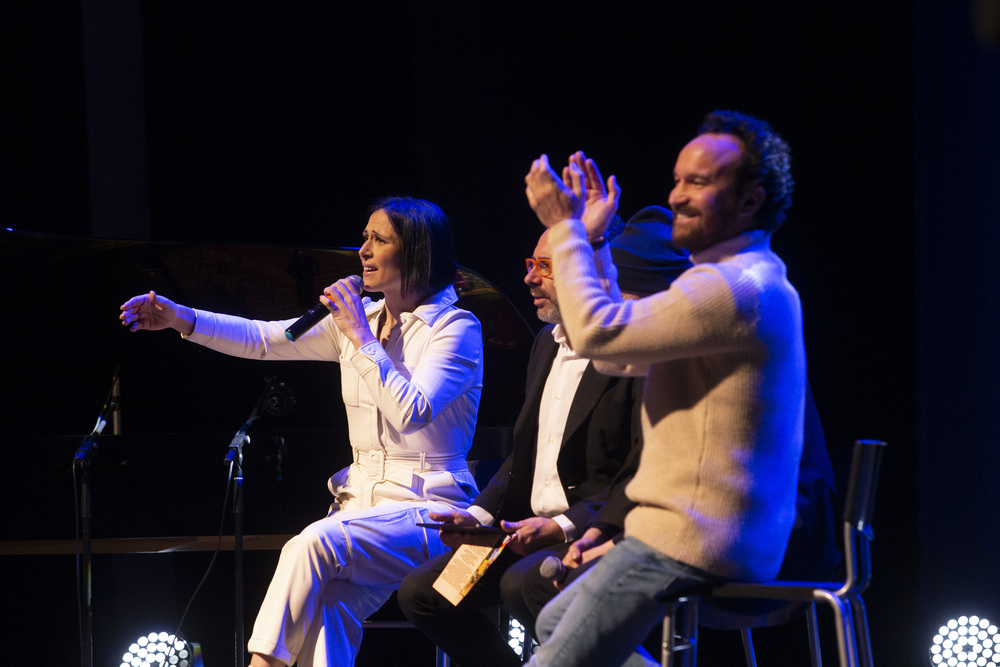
[{"x": 572, "y": 235}]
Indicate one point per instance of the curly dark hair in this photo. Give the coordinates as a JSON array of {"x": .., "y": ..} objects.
[
  {"x": 428, "y": 262},
  {"x": 766, "y": 162}
]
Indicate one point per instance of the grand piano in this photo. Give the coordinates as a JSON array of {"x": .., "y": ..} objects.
[{"x": 156, "y": 474}]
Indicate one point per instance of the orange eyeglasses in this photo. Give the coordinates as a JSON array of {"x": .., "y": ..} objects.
[{"x": 543, "y": 265}]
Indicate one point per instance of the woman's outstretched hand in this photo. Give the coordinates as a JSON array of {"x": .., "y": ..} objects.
[{"x": 151, "y": 312}]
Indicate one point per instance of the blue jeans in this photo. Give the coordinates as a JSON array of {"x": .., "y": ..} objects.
[{"x": 602, "y": 617}]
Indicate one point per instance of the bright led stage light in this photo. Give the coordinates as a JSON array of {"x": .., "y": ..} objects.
[
  {"x": 516, "y": 636},
  {"x": 968, "y": 641},
  {"x": 162, "y": 649}
]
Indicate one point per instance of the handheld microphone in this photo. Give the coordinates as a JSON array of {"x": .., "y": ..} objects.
[
  {"x": 315, "y": 314},
  {"x": 552, "y": 568},
  {"x": 307, "y": 321}
]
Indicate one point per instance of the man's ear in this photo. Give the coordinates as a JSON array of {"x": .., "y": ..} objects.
[{"x": 753, "y": 200}]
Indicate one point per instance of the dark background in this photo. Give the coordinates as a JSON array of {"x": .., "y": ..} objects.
[{"x": 274, "y": 125}]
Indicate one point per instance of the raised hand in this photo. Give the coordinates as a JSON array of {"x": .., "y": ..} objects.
[
  {"x": 601, "y": 202},
  {"x": 554, "y": 199}
]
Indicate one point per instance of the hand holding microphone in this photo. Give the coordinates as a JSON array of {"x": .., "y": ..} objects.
[
  {"x": 592, "y": 544},
  {"x": 553, "y": 569},
  {"x": 315, "y": 314}
]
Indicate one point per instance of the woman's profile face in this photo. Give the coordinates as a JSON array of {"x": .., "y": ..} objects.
[{"x": 381, "y": 255}]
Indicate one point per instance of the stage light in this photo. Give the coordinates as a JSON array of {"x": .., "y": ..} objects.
[
  {"x": 517, "y": 636},
  {"x": 968, "y": 641},
  {"x": 162, "y": 649}
]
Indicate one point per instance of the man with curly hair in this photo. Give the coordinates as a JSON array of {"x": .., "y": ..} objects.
[{"x": 723, "y": 404}]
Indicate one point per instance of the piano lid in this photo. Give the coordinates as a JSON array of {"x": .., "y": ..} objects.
[{"x": 60, "y": 302}]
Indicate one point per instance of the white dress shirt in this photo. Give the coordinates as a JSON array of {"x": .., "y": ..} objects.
[{"x": 548, "y": 499}]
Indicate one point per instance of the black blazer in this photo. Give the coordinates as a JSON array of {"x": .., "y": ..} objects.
[{"x": 602, "y": 430}]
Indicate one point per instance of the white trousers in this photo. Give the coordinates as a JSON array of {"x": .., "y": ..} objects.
[{"x": 336, "y": 573}]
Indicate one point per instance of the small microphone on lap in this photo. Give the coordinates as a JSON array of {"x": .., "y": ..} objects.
[{"x": 552, "y": 568}]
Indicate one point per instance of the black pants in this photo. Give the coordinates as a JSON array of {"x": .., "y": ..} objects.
[{"x": 464, "y": 632}]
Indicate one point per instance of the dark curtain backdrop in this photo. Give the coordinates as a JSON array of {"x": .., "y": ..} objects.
[
  {"x": 278, "y": 123},
  {"x": 957, "y": 199}
]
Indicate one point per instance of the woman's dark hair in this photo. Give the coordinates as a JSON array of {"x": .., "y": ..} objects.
[
  {"x": 428, "y": 263},
  {"x": 766, "y": 162}
]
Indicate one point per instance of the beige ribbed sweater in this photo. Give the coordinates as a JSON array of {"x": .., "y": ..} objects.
[{"x": 724, "y": 397}]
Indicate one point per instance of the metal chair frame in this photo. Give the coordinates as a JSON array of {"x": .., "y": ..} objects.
[{"x": 844, "y": 598}]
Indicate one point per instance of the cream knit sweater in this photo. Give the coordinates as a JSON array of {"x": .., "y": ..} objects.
[{"x": 724, "y": 398}]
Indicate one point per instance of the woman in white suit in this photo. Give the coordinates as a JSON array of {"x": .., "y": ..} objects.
[{"x": 411, "y": 367}]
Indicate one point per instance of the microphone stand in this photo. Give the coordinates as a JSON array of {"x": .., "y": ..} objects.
[
  {"x": 234, "y": 460},
  {"x": 81, "y": 464}
]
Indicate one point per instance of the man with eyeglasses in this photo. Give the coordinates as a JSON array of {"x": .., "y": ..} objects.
[{"x": 576, "y": 443}]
